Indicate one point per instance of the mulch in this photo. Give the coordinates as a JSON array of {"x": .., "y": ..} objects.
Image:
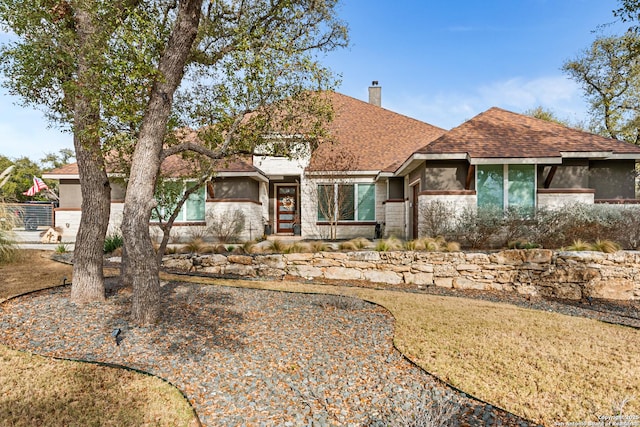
[{"x": 246, "y": 357}]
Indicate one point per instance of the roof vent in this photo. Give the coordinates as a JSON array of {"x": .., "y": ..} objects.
[{"x": 375, "y": 94}]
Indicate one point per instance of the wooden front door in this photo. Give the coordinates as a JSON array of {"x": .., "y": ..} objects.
[{"x": 287, "y": 208}]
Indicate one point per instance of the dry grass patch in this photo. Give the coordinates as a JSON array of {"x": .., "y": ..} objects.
[
  {"x": 30, "y": 271},
  {"x": 546, "y": 367},
  {"x": 38, "y": 391}
]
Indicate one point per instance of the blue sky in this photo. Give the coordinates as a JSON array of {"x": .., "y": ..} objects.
[{"x": 438, "y": 61}]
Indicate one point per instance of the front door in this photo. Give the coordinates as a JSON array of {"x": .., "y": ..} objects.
[{"x": 287, "y": 208}]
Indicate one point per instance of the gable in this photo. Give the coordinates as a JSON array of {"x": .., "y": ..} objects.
[
  {"x": 501, "y": 134},
  {"x": 371, "y": 138}
]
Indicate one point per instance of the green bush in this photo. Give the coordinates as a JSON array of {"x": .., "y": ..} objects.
[{"x": 112, "y": 242}]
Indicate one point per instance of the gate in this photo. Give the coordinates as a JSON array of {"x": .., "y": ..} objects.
[{"x": 32, "y": 215}]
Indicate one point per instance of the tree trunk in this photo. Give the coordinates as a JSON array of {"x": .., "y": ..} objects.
[
  {"x": 88, "y": 279},
  {"x": 139, "y": 200}
]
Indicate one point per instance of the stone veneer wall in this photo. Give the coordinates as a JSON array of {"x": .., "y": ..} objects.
[{"x": 572, "y": 275}]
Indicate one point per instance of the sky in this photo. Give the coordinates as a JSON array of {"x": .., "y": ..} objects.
[{"x": 438, "y": 61}]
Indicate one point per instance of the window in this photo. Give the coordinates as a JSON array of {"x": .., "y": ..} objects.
[
  {"x": 169, "y": 193},
  {"x": 347, "y": 202},
  {"x": 506, "y": 186}
]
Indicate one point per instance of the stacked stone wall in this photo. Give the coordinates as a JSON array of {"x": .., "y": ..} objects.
[{"x": 538, "y": 272}]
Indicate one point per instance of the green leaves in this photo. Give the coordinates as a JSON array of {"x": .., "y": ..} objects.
[{"x": 609, "y": 73}]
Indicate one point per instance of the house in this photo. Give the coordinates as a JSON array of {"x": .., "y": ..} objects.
[{"x": 382, "y": 167}]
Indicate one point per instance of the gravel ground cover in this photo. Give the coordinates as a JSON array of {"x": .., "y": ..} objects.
[{"x": 247, "y": 357}]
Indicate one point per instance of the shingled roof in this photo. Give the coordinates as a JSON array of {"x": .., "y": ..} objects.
[
  {"x": 498, "y": 133},
  {"x": 375, "y": 138}
]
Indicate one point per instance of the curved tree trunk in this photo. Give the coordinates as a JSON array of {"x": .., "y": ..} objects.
[
  {"x": 141, "y": 262},
  {"x": 88, "y": 279}
]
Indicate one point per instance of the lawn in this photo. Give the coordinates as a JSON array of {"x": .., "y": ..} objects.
[
  {"x": 38, "y": 391},
  {"x": 543, "y": 366}
]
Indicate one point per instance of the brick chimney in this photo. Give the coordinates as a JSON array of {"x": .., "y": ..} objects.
[{"x": 375, "y": 94}]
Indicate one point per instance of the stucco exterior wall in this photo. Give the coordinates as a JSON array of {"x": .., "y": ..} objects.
[
  {"x": 395, "y": 218},
  {"x": 69, "y": 193},
  {"x": 68, "y": 220},
  {"x": 254, "y": 224},
  {"x": 572, "y": 173},
  {"x": 556, "y": 199},
  {"x": 459, "y": 200},
  {"x": 612, "y": 179},
  {"x": 271, "y": 165},
  {"x": 236, "y": 188},
  {"x": 441, "y": 175}
]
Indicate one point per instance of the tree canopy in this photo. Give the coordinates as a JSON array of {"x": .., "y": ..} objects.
[
  {"x": 609, "y": 74},
  {"x": 124, "y": 74}
]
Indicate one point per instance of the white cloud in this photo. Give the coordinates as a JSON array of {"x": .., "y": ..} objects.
[{"x": 448, "y": 109}]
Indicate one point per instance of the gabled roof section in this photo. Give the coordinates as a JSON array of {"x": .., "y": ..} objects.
[
  {"x": 498, "y": 133},
  {"x": 374, "y": 138},
  {"x": 173, "y": 167},
  {"x": 69, "y": 171}
]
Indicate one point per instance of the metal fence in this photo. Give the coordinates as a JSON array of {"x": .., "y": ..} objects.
[{"x": 32, "y": 215}]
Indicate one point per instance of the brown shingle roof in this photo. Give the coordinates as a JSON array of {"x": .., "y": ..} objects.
[
  {"x": 498, "y": 133},
  {"x": 70, "y": 169},
  {"x": 377, "y": 139}
]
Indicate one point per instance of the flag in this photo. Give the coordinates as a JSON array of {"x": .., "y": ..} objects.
[{"x": 38, "y": 185}]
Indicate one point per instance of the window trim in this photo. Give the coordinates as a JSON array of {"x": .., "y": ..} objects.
[
  {"x": 182, "y": 218},
  {"x": 356, "y": 203},
  {"x": 505, "y": 183}
]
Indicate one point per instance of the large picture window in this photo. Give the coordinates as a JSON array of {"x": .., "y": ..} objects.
[
  {"x": 169, "y": 193},
  {"x": 346, "y": 202},
  {"x": 506, "y": 186}
]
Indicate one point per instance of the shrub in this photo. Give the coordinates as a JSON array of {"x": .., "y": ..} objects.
[
  {"x": 347, "y": 246},
  {"x": 606, "y": 246},
  {"x": 435, "y": 410},
  {"x": 319, "y": 246},
  {"x": 432, "y": 408},
  {"x": 62, "y": 248},
  {"x": 277, "y": 246},
  {"x": 436, "y": 218},
  {"x": 227, "y": 227},
  {"x": 452, "y": 247},
  {"x": 579, "y": 245},
  {"x": 297, "y": 247},
  {"x": 8, "y": 247},
  {"x": 362, "y": 243},
  {"x": 196, "y": 245},
  {"x": 390, "y": 244},
  {"x": 413, "y": 245},
  {"x": 112, "y": 242},
  {"x": 476, "y": 227}
]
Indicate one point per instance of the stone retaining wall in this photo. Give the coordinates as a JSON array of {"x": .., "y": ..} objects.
[{"x": 572, "y": 275}]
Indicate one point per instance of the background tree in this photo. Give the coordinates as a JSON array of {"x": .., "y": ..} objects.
[
  {"x": 111, "y": 70},
  {"x": 248, "y": 53},
  {"x": 20, "y": 179},
  {"x": 64, "y": 156},
  {"x": 549, "y": 115},
  {"x": 63, "y": 58},
  {"x": 609, "y": 74}
]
